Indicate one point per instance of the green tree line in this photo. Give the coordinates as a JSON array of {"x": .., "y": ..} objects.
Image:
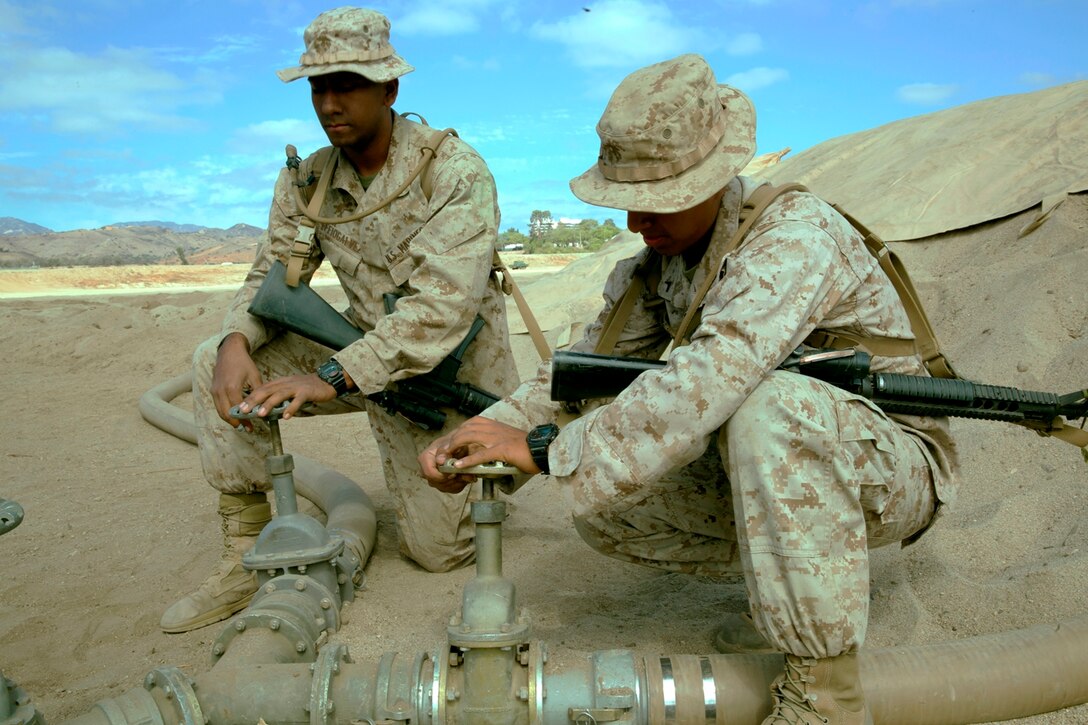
[{"x": 586, "y": 236}]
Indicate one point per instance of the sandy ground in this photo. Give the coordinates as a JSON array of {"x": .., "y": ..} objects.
[{"x": 119, "y": 522}]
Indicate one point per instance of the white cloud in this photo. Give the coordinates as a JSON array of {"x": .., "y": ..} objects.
[
  {"x": 91, "y": 94},
  {"x": 925, "y": 93},
  {"x": 226, "y": 47},
  {"x": 620, "y": 33},
  {"x": 437, "y": 20},
  {"x": 756, "y": 78},
  {"x": 444, "y": 17},
  {"x": 213, "y": 191},
  {"x": 488, "y": 64},
  {"x": 258, "y": 138},
  {"x": 12, "y": 19},
  {"x": 744, "y": 44}
]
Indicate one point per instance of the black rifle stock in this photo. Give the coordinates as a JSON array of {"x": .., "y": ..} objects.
[
  {"x": 304, "y": 312},
  {"x": 579, "y": 376}
]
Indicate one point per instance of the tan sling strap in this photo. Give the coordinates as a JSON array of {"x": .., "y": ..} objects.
[
  {"x": 614, "y": 323},
  {"x": 617, "y": 316},
  {"x": 925, "y": 342},
  {"x": 1067, "y": 433},
  {"x": 510, "y": 287},
  {"x": 304, "y": 238},
  {"x": 750, "y": 211}
]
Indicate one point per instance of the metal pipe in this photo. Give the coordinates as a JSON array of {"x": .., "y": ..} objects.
[
  {"x": 982, "y": 679},
  {"x": 995, "y": 677}
]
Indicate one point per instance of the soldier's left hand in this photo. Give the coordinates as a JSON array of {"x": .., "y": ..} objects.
[
  {"x": 477, "y": 441},
  {"x": 299, "y": 389}
]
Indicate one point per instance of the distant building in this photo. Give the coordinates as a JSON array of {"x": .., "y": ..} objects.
[{"x": 543, "y": 224}]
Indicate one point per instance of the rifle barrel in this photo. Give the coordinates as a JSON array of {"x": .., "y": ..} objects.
[{"x": 579, "y": 376}]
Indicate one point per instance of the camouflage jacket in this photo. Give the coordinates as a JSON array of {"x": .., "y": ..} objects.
[
  {"x": 435, "y": 252},
  {"x": 801, "y": 268}
]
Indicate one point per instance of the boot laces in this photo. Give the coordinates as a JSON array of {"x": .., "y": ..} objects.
[{"x": 793, "y": 705}]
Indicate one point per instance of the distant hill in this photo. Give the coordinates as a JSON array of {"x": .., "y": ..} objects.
[
  {"x": 169, "y": 226},
  {"x": 10, "y": 226},
  {"x": 29, "y": 245}
]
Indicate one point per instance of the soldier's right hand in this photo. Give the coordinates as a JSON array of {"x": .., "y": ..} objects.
[{"x": 234, "y": 376}]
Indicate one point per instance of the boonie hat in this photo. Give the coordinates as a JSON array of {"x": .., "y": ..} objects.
[
  {"x": 355, "y": 40},
  {"x": 671, "y": 137}
]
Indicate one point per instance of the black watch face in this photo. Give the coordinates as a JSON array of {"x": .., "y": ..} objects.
[
  {"x": 543, "y": 434},
  {"x": 333, "y": 374}
]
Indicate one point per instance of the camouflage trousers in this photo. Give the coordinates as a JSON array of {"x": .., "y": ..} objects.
[
  {"x": 434, "y": 528},
  {"x": 799, "y": 484}
]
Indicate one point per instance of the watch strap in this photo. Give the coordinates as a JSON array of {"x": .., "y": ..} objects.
[
  {"x": 538, "y": 441},
  {"x": 332, "y": 372}
]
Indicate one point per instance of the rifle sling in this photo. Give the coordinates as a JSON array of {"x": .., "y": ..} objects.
[
  {"x": 510, "y": 287},
  {"x": 750, "y": 211},
  {"x": 304, "y": 237},
  {"x": 300, "y": 250},
  {"x": 925, "y": 340}
]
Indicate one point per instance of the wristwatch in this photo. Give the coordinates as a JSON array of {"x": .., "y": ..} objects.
[
  {"x": 333, "y": 374},
  {"x": 539, "y": 439}
]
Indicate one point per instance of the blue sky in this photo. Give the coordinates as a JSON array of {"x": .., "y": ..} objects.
[{"x": 122, "y": 110}]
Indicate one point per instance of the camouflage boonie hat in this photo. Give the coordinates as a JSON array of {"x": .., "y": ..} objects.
[
  {"x": 355, "y": 40},
  {"x": 671, "y": 137}
]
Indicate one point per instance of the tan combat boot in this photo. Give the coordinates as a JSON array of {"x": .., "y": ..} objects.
[
  {"x": 819, "y": 692},
  {"x": 738, "y": 636},
  {"x": 230, "y": 587}
]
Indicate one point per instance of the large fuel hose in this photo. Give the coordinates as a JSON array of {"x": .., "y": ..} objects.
[{"x": 988, "y": 678}]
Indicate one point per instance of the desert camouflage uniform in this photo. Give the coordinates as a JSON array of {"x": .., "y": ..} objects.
[
  {"x": 438, "y": 254},
  {"x": 719, "y": 464}
]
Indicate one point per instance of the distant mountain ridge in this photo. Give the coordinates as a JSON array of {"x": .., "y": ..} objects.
[
  {"x": 169, "y": 226},
  {"x": 23, "y": 244},
  {"x": 10, "y": 226}
]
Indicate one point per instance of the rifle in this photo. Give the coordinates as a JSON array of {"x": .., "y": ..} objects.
[
  {"x": 578, "y": 376},
  {"x": 303, "y": 312}
]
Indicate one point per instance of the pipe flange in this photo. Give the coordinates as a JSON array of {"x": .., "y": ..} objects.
[
  {"x": 325, "y": 668},
  {"x": 401, "y": 692},
  {"x": 178, "y": 689},
  {"x": 462, "y": 635},
  {"x": 318, "y": 553},
  {"x": 537, "y": 655},
  {"x": 282, "y": 623},
  {"x": 438, "y": 682},
  {"x": 321, "y": 602},
  {"x": 417, "y": 686}
]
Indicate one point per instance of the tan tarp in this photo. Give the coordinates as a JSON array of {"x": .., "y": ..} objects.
[{"x": 954, "y": 168}]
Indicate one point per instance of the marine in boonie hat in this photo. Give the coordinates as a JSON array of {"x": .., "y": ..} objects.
[
  {"x": 671, "y": 137},
  {"x": 355, "y": 40}
]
